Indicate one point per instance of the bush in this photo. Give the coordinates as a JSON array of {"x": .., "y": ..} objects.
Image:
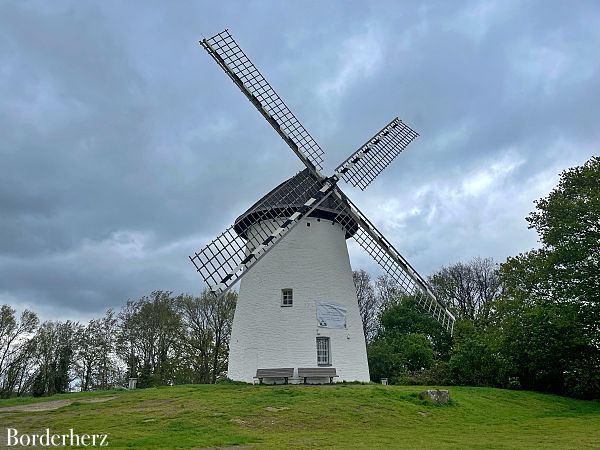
[{"x": 437, "y": 375}]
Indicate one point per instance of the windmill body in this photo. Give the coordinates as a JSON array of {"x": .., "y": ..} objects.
[
  {"x": 276, "y": 318},
  {"x": 297, "y": 305}
]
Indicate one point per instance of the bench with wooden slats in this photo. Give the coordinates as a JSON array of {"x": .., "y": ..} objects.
[
  {"x": 317, "y": 372},
  {"x": 284, "y": 373}
]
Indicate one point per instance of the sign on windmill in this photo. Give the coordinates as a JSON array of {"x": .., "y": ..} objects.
[{"x": 297, "y": 314}]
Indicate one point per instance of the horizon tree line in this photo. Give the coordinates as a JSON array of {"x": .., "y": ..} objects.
[{"x": 160, "y": 339}]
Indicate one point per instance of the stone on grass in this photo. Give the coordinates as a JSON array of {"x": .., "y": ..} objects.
[{"x": 436, "y": 395}]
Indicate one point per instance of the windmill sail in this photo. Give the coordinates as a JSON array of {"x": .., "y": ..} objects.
[
  {"x": 392, "y": 262},
  {"x": 362, "y": 166},
  {"x": 232, "y": 59}
]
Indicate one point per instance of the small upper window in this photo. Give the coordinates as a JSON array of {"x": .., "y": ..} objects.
[{"x": 287, "y": 297}]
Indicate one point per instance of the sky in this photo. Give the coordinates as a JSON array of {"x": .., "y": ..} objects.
[{"x": 124, "y": 148}]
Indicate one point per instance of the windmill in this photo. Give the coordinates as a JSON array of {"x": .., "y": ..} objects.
[{"x": 297, "y": 307}]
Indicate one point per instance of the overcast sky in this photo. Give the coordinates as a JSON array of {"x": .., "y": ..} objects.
[{"x": 124, "y": 148}]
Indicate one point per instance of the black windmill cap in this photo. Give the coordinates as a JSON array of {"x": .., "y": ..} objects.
[{"x": 275, "y": 202}]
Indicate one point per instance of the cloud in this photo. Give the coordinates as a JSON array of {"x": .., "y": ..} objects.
[
  {"x": 476, "y": 20},
  {"x": 125, "y": 148},
  {"x": 359, "y": 57}
]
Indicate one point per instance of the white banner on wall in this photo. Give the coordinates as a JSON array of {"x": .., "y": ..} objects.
[{"x": 331, "y": 315}]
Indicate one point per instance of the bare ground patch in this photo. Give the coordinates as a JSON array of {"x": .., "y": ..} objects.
[{"x": 52, "y": 405}]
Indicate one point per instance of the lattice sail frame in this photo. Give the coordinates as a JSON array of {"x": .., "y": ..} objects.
[
  {"x": 391, "y": 261},
  {"x": 232, "y": 59},
  {"x": 229, "y": 257},
  {"x": 363, "y": 166},
  {"x": 234, "y": 255}
]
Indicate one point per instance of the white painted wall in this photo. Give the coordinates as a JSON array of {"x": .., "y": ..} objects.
[{"x": 313, "y": 261}]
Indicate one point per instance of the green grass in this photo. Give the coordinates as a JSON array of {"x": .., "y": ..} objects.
[{"x": 342, "y": 416}]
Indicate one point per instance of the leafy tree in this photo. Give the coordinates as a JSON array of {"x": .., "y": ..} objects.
[
  {"x": 107, "y": 370},
  {"x": 551, "y": 318},
  {"x": 208, "y": 324},
  {"x": 406, "y": 317},
  {"x": 54, "y": 344},
  {"x": 541, "y": 343},
  {"x": 220, "y": 318},
  {"x": 149, "y": 336},
  {"x": 475, "y": 360},
  {"x": 96, "y": 366},
  {"x": 198, "y": 346},
  {"x": 408, "y": 342},
  {"x": 399, "y": 355}
]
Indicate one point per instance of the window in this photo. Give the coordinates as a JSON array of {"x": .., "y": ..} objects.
[
  {"x": 323, "y": 353},
  {"x": 287, "y": 297}
]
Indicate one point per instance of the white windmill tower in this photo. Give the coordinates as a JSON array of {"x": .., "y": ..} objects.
[{"x": 297, "y": 314}]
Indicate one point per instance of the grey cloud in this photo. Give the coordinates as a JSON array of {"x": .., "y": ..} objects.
[{"x": 124, "y": 148}]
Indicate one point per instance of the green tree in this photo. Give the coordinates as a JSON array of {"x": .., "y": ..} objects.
[
  {"x": 149, "y": 338},
  {"x": 407, "y": 344},
  {"x": 207, "y": 328},
  {"x": 55, "y": 345},
  {"x": 405, "y": 317},
  {"x": 551, "y": 316},
  {"x": 475, "y": 359},
  {"x": 399, "y": 356},
  {"x": 95, "y": 361}
]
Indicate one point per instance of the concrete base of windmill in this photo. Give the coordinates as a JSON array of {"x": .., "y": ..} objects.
[{"x": 436, "y": 395}]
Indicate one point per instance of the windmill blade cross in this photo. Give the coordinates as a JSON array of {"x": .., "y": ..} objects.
[
  {"x": 233, "y": 253},
  {"x": 232, "y": 59},
  {"x": 363, "y": 166},
  {"x": 230, "y": 256}
]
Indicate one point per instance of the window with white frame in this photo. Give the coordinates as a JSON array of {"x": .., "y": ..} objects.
[
  {"x": 287, "y": 297},
  {"x": 323, "y": 352}
]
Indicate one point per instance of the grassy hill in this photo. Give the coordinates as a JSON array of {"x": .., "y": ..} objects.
[{"x": 341, "y": 416}]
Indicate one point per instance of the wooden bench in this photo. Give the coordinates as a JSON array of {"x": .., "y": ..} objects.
[
  {"x": 317, "y": 372},
  {"x": 284, "y": 373}
]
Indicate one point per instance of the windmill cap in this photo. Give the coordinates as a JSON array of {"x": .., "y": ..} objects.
[{"x": 274, "y": 204}]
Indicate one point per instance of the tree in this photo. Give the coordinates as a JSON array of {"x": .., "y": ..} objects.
[
  {"x": 55, "y": 346},
  {"x": 149, "y": 335},
  {"x": 472, "y": 290},
  {"x": 469, "y": 289},
  {"x": 220, "y": 317},
  {"x": 397, "y": 356},
  {"x": 368, "y": 303},
  {"x": 475, "y": 360},
  {"x": 13, "y": 346},
  {"x": 387, "y": 291},
  {"x": 408, "y": 342},
  {"x": 198, "y": 339},
  {"x": 107, "y": 371},
  {"x": 95, "y": 359},
  {"x": 208, "y": 322},
  {"x": 551, "y": 317},
  {"x": 406, "y": 317},
  {"x": 86, "y": 355}
]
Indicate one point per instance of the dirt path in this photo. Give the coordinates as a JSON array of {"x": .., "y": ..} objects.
[{"x": 53, "y": 404}]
